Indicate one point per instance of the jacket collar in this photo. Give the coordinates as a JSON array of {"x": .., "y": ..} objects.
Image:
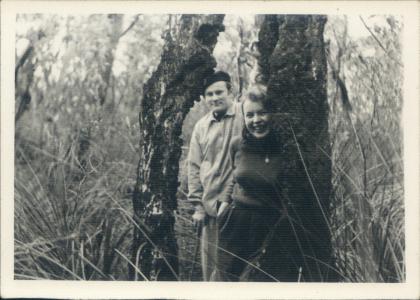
[{"x": 229, "y": 113}]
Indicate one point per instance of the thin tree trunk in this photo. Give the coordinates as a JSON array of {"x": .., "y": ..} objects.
[
  {"x": 168, "y": 96},
  {"x": 24, "y": 75},
  {"x": 114, "y": 29},
  {"x": 113, "y": 36},
  {"x": 293, "y": 65}
]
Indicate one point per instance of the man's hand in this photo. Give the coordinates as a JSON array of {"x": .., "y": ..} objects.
[
  {"x": 222, "y": 208},
  {"x": 198, "y": 218}
]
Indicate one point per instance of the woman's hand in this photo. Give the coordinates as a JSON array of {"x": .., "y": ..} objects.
[{"x": 222, "y": 208}]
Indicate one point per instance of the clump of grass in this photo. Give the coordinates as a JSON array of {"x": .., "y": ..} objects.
[
  {"x": 368, "y": 205},
  {"x": 71, "y": 212}
]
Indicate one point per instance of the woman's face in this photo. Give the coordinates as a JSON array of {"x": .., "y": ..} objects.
[{"x": 257, "y": 119}]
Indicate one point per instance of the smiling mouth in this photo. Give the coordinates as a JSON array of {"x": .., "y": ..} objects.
[{"x": 260, "y": 128}]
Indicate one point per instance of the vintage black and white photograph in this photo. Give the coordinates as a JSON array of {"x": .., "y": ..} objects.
[{"x": 209, "y": 147}]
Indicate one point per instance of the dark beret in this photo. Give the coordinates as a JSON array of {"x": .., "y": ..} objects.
[{"x": 215, "y": 77}]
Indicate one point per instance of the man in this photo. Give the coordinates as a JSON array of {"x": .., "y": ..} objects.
[{"x": 209, "y": 165}]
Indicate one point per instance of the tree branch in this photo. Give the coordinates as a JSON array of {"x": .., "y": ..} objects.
[
  {"x": 379, "y": 42},
  {"x": 130, "y": 26},
  {"x": 340, "y": 83},
  {"x": 22, "y": 61}
]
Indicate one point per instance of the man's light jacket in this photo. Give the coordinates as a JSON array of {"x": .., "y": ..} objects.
[{"x": 209, "y": 162}]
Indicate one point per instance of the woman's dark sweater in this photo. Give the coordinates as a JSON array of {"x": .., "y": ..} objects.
[{"x": 257, "y": 172}]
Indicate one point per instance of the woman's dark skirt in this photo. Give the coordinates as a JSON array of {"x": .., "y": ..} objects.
[{"x": 265, "y": 244}]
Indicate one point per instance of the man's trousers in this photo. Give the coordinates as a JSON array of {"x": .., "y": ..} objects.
[{"x": 209, "y": 244}]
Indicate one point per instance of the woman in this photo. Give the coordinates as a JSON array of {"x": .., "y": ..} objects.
[{"x": 254, "y": 202}]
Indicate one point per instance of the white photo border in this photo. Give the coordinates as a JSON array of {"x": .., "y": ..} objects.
[{"x": 212, "y": 290}]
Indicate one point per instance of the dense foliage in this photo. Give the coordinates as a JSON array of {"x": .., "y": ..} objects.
[{"x": 79, "y": 85}]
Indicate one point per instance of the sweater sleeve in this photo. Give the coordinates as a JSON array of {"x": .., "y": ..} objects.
[
  {"x": 195, "y": 188},
  {"x": 233, "y": 150}
]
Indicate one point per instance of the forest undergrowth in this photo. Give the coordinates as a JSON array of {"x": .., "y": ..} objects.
[{"x": 75, "y": 166}]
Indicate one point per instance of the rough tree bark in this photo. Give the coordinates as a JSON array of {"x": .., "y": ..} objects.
[
  {"x": 168, "y": 96},
  {"x": 293, "y": 66}
]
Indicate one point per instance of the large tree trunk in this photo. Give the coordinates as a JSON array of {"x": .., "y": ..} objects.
[
  {"x": 293, "y": 65},
  {"x": 168, "y": 96}
]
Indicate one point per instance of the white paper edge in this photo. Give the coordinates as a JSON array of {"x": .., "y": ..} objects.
[{"x": 186, "y": 290}]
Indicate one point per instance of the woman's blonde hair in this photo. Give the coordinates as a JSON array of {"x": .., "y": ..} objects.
[{"x": 258, "y": 93}]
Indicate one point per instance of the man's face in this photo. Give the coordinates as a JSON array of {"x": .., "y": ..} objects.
[{"x": 217, "y": 97}]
